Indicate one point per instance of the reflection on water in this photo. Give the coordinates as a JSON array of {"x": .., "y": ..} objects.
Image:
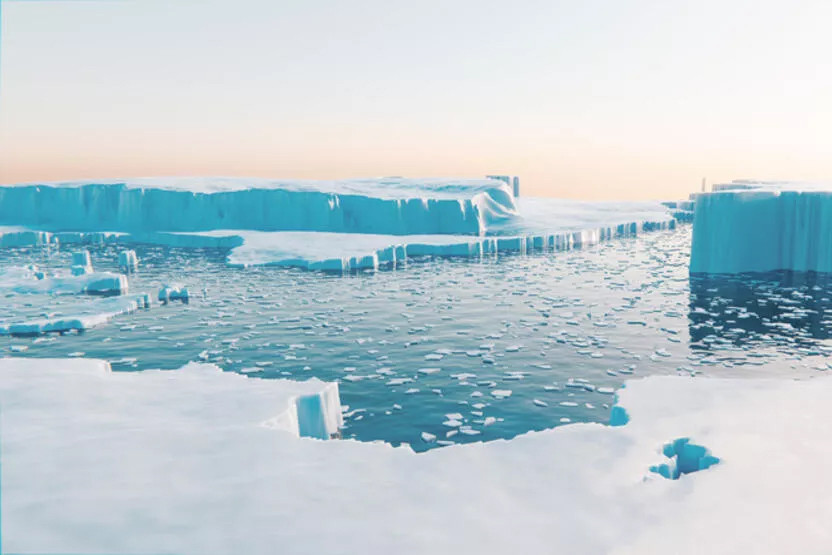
[{"x": 776, "y": 309}]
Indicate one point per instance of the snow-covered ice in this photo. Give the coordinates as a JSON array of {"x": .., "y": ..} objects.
[
  {"x": 88, "y": 316},
  {"x": 128, "y": 456},
  {"x": 128, "y": 262},
  {"x": 173, "y": 292},
  {"x": 30, "y": 280}
]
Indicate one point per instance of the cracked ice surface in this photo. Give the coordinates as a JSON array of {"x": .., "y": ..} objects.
[{"x": 129, "y": 469}]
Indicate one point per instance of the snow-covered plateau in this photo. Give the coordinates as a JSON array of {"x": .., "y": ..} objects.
[{"x": 200, "y": 461}]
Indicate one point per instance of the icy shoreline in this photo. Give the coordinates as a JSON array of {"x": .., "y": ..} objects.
[{"x": 130, "y": 469}]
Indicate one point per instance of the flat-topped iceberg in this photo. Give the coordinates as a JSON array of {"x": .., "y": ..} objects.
[
  {"x": 395, "y": 206},
  {"x": 335, "y": 226},
  {"x": 762, "y": 227},
  {"x": 189, "y": 461}
]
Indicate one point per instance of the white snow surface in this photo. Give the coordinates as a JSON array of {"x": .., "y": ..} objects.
[
  {"x": 23, "y": 280},
  {"x": 182, "y": 462},
  {"x": 763, "y": 229},
  {"x": 86, "y": 316}
]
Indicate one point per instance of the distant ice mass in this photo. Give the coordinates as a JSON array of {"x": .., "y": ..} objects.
[
  {"x": 395, "y": 206},
  {"x": 332, "y": 226},
  {"x": 751, "y": 226}
]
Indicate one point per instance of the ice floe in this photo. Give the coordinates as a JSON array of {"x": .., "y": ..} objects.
[{"x": 129, "y": 454}]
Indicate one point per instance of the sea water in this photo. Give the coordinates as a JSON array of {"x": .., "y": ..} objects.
[{"x": 451, "y": 350}]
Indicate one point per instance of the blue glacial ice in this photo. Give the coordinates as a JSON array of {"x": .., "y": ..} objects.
[
  {"x": 394, "y": 206},
  {"x": 329, "y": 226},
  {"x": 759, "y": 227}
]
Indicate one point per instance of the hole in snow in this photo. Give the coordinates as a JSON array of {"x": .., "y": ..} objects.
[{"x": 685, "y": 457}]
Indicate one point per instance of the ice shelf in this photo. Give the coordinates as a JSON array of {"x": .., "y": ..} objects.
[{"x": 432, "y": 217}]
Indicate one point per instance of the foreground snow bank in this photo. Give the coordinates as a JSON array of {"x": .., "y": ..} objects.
[
  {"x": 395, "y": 206},
  {"x": 762, "y": 229},
  {"x": 181, "y": 461}
]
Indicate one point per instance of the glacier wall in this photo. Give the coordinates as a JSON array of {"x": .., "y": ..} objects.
[
  {"x": 129, "y": 208},
  {"x": 762, "y": 230}
]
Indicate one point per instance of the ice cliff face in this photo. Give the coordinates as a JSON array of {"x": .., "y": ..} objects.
[
  {"x": 762, "y": 230},
  {"x": 384, "y": 206}
]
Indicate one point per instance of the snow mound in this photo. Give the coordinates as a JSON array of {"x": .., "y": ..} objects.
[
  {"x": 188, "y": 462},
  {"x": 762, "y": 230}
]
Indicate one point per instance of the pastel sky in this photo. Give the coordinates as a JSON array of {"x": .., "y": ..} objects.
[{"x": 597, "y": 99}]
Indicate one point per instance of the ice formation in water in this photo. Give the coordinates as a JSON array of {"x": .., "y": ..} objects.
[
  {"x": 758, "y": 227},
  {"x": 326, "y": 226}
]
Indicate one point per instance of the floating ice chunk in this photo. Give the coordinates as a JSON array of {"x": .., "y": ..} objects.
[
  {"x": 540, "y": 403},
  {"x": 128, "y": 262},
  {"x": 81, "y": 263},
  {"x": 173, "y": 292},
  {"x": 428, "y": 437},
  {"x": 501, "y": 393}
]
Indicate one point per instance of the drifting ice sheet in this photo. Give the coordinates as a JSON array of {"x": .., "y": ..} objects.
[
  {"x": 92, "y": 314},
  {"x": 181, "y": 463}
]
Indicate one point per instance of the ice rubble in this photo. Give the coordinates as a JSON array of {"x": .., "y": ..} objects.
[
  {"x": 30, "y": 280},
  {"x": 85, "y": 317},
  {"x": 181, "y": 461},
  {"x": 758, "y": 227},
  {"x": 394, "y": 206}
]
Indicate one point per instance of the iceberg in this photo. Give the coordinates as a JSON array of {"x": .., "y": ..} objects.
[
  {"x": 173, "y": 292},
  {"x": 394, "y": 206},
  {"x": 128, "y": 262},
  {"x": 129, "y": 455},
  {"x": 283, "y": 223},
  {"x": 762, "y": 227}
]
